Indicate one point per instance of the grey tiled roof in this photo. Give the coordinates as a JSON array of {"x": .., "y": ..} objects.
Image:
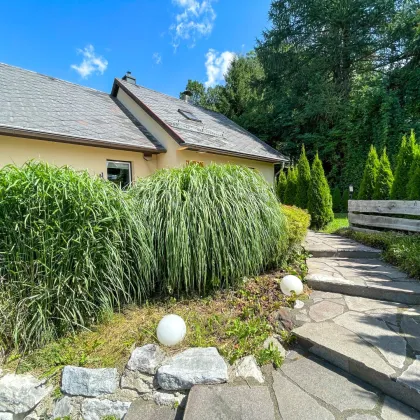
[
  {"x": 41, "y": 104},
  {"x": 215, "y": 131}
]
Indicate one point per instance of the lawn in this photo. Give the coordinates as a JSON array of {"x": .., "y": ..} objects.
[{"x": 340, "y": 221}]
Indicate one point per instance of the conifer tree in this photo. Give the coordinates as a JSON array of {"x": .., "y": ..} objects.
[
  {"x": 319, "y": 200},
  {"x": 336, "y": 197},
  {"x": 370, "y": 173},
  {"x": 303, "y": 180},
  {"x": 384, "y": 179},
  {"x": 415, "y": 185},
  {"x": 291, "y": 187},
  {"x": 412, "y": 182},
  {"x": 345, "y": 201},
  {"x": 402, "y": 173},
  {"x": 281, "y": 186}
]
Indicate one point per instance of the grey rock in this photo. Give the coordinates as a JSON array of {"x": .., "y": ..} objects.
[
  {"x": 168, "y": 399},
  {"x": 411, "y": 377},
  {"x": 411, "y": 328},
  {"x": 296, "y": 404},
  {"x": 229, "y": 403},
  {"x": 325, "y": 310},
  {"x": 63, "y": 408},
  {"x": 137, "y": 381},
  {"x": 320, "y": 380},
  {"x": 146, "y": 359},
  {"x": 362, "y": 417},
  {"x": 96, "y": 409},
  {"x": 293, "y": 355},
  {"x": 274, "y": 340},
  {"x": 6, "y": 416},
  {"x": 141, "y": 410},
  {"x": 316, "y": 294},
  {"x": 21, "y": 393},
  {"x": 361, "y": 304},
  {"x": 192, "y": 367},
  {"x": 88, "y": 382},
  {"x": 395, "y": 410},
  {"x": 247, "y": 368},
  {"x": 376, "y": 332}
]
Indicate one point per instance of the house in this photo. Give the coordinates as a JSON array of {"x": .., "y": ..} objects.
[{"x": 124, "y": 135}]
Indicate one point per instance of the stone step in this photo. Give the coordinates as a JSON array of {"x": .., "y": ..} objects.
[
  {"x": 369, "y": 278},
  {"x": 325, "y": 245}
]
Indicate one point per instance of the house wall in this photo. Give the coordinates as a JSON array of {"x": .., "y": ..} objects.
[
  {"x": 177, "y": 158},
  {"x": 19, "y": 150}
]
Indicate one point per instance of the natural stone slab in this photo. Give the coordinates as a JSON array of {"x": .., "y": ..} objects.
[
  {"x": 375, "y": 331},
  {"x": 410, "y": 325},
  {"x": 316, "y": 294},
  {"x": 96, "y": 409},
  {"x": 193, "y": 367},
  {"x": 362, "y": 417},
  {"x": 140, "y": 410},
  {"x": 322, "y": 381},
  {"x": 88, "y": 382},
  {"x": 63, "y": 408},
  {"x": 229, "y": 403},
  {"x": 411, "y": 377},
  {"x": 21, "y": 393},
  {"x": 146, "y": 359},
  {"x": 247, "y": 368},
  {"x": 137, "y": 381},
  {"x": 296, "y": 404},
  {"x": 396, "y": 410},
  {"x": 6, "y": 416},
  {"x": 274, "y": 340},
  {"x": 361, "y": 304},
  {"x": 325, "y": 310}
]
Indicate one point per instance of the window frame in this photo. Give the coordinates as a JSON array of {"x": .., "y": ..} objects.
[
  {"x": 185, "y": 113},
  {"x": 130, "y": 170}
]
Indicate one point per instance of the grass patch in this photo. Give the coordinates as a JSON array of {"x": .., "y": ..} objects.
[
  {"x": 237, "y": 322},
  {"x": 340, "y": 221},
  {"x": 402, "y": 250}
]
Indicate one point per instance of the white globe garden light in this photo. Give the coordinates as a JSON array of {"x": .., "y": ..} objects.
[
  {"x": 291, "y": 284},
  {"x": 171, "y": 330}
]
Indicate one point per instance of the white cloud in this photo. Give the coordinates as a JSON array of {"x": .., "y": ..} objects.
[
  {"x": 195, "y": 21},
  {"x": 157, "y": 58},
  {"x": 91, "y": 62},
  {"x": 217, "y": 65}
]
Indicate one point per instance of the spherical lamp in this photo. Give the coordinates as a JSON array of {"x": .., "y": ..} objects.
[
  {"x": 171, "y": 330},
  {"x": 291, "y": 284}
]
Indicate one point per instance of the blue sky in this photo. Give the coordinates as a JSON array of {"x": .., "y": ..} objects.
[{"x": 163, "y": 42}]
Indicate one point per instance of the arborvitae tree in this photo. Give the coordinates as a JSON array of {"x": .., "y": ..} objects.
[
  {"x": 291, "y": 188},
  {"x": 303, "y": 180},
  {"x": 412, "y": 182},
  {"x": 336, "y": 197},
  {"x": 370, "y": 173},
  {"x": 281, "y": 186},
  {"x": 402, "y": 173},
  {"x": 345, "y": 201},
  {"x": 415, "y": 185},
  {"x": 384, "y": 179},
  {"x": 319, "y": 200}
]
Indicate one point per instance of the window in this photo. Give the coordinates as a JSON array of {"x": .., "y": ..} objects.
[
  {"x": 119, "y": 173},
  {"x": 188, "y": 115}
]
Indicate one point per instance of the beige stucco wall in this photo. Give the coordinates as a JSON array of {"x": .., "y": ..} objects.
[
  {"x": 176, "y": 157},
  {"x": 19, "y": 150}
]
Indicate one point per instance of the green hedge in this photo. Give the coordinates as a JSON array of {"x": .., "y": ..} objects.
[{"x": 298, "y": 222}]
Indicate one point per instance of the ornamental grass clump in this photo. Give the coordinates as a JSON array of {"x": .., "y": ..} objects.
[
  {"x": 210, "y": 226},
  {"x": 72, "y": 248}
]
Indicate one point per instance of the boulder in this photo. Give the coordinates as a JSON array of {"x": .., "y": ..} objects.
[
  {"x": 194, "y": 366},
  {"x": 146, "y": 359},
  {"x": 21, "y": 393},
  {"x": 88, "y": 382},
  {"x": 96, "y": 409},
  {"x": 63, "y": 408},
  {"x": 169, "y": 399},
  {"x": 247, "y": 368},
  {"x": 138, "y": 381}
]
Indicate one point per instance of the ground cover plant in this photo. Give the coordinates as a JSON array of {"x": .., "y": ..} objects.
[
  {"x": 72, "y": 248},
  {"x": 340, "y": 221},
  {"x": 211, "y": 226}
]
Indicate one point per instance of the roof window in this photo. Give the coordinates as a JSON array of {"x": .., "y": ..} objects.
[{"x": 188, "y": 115}]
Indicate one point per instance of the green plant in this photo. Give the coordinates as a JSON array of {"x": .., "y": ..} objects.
[
  {"x": 211, "y": 225},
  {"x": 269, "y": 355},
  {"x": 336, "y": 198},
  {"x": 72, "y": 248},
  {"x": 413, "y": 192},
  {"x": 303, "y": 180},
  {"x": 345, "y": 200},
  {"x": 320, "y": 200},
  {"x": 291, "y": 187},
  {"x": 281, "y": 185},
  {"x": 340, "y": 221},
  {"x": 298, "y": 222},
  {"x": 384, "y": 179},
  {"x": 402, "y": 173},
  {"x": 370, "y": 173}
]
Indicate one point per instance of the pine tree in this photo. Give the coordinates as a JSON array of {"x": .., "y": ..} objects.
[
  {"x": 345, "y": 201},
  {"x": 291, "y": 187},
  {"x": 402, "y": 173},
  {"x": 370, "y": 173},
  {"x": 303, "y": 180},
  {"x": 281, "y": 186},
  {"x": 319, "y": 200},
  {"x": 336, "y": 198},
  {"x": 384, "y": 179}
]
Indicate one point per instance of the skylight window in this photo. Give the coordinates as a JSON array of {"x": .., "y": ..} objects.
[{"x": 188, "y": 115}]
